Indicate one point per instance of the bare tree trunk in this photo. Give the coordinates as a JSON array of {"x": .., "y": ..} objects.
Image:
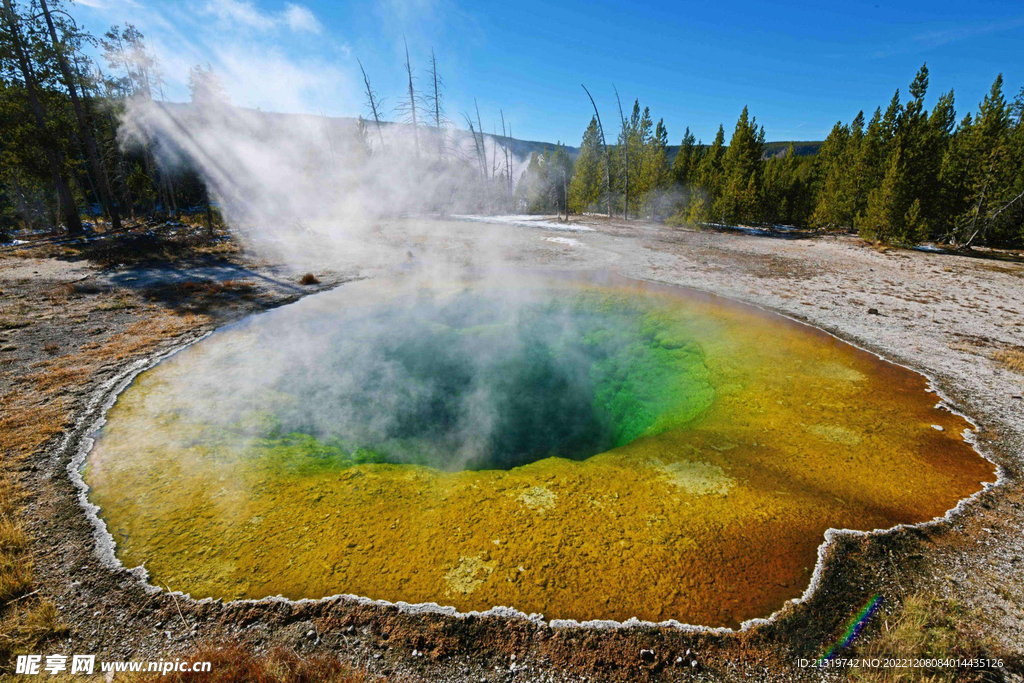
[
  {"x": 209, "y": 212},
  {"x": 92, "y": 196},
  {"x": 494, "y": 157},
  {"x": 121, "y": 168},
  {"x": 476, "y": 145},
  {"x": 171, "y": 195},
  {"x": 412, "y": 102},
  {"x": 565, "y": 196},
  {"x": 20, "y": 199},
  {"x": 504, "y": 148},
  {"x": 118, "y": 157},
  {"x": 483, "y": 142},
  {"x": 508, "y": 158},
  {"x": 53, "y": 158},
  {"x": 437, "y": 105},
  {"x": 625, "y": 152},
  {"x": 607, "y": 153},
  {"x": 98, "y": 172},
  {"x": 373, "y": 103}
]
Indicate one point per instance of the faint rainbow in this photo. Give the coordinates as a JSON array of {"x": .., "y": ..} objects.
[{"x": 854, "y": 628}]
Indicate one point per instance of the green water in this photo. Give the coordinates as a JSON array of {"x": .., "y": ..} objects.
[
  {"x": 468, "y": 381},
  {"x": 395, "y": 440}
]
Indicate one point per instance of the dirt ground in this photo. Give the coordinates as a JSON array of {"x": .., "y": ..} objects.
[{"x": 75, "y": 319}]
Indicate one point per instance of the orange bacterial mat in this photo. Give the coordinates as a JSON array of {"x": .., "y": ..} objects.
[{"x": 584, "y": 447}]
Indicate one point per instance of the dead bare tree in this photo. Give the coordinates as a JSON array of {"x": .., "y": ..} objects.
[
  {"x": 504, "y": 148},
  {"x": 975, "y": 229},
  {"x": 480, "y": 127},
  {"x": 607, "y": 152},
  {"x": 476, "y": 145},
  {"x": 509, "y": 158},
  {"x": 435, "y": 100},
  {"x": 494, "y": 157},
  {"x": 412, "y": 100},
  {"x": 373, "y": 102},
  {"x": 625, "y": 153}
]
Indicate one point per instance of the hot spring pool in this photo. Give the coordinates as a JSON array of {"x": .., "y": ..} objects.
[{"x": 585, "y": 447}]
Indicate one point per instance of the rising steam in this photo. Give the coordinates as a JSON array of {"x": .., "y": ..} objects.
[{"x": 300, "y": 184}]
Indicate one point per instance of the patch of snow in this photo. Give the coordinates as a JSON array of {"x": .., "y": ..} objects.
[
  {"x": 563, "y": 240},
  {"x": 525, "y": 221}
]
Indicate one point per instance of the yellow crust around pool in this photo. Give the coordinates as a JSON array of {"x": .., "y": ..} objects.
[{"x": 711, "y": 521}]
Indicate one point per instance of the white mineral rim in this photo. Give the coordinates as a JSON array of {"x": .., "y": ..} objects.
[{"x": 105, "y": 397}]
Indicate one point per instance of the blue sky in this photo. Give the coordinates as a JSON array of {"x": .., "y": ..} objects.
[{"x": 799, "y": 66}]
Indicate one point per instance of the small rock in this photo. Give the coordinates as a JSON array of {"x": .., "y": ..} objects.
[{"x": 873, "y": 311}]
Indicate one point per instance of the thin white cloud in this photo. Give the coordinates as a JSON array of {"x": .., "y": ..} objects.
[
  {"x": 934, "y": 38},
  {"x": 278, "y": 59},
  {"x": 240, "y": 12},
  {"x": 405, "y": 10},
  {"x": 300, "y": 19},
  {"x": 245, "y": 13}
]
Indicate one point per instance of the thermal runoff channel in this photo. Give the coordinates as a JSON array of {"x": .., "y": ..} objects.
[{"x": 583, "y": 447}]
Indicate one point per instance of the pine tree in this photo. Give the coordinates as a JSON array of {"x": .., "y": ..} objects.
[
  {"x": 655, "y": 172},
  {"x": 835, "y": 204},
  {"x": 640, "y": 147},
  {"x": 868, "y": 166},
  {"x": 989, "y": 170},
  {"x": 890, "y": 217},
  {"x": 891, "y": 119},
  {"x": 709, "y": 176},
  {"x": 685, "y": 163},
  {"x": 742, "y": 168},
  {"x": 205, "y": 86},
  {"x": 588, "y": 177}
]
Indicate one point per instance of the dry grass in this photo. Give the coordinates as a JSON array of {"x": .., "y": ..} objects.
[
  {"x": 22, "y": 625},
  {"x": 12, "y": 538},
  {"x": 235, "y": 664},
  {"x": 309, "y": 279},
  {"x": 927, "y": 627},
  {"x": 12, "y": 322},
  {"x": 118, "y": 301},
  {"x": 1011, "y": 358},
  {"x": 144, "y": 244},
  {"x": 33, "y": 413},
  {"x": 198, "y": 296},
  {"x": 15, "y": 573}
]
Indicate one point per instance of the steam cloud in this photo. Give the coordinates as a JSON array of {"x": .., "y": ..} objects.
[
  {"x": 311, "y": 190},
  {"x": 296, "y": 185}
]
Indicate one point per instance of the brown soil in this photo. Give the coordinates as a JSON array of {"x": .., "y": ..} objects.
[{"x": 73, "y": 320}]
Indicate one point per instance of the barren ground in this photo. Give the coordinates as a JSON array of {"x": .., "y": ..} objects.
[{"x": 72, "y": 320}]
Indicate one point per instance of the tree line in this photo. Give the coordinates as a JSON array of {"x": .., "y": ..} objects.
[{"x": 903, "y": 176}]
